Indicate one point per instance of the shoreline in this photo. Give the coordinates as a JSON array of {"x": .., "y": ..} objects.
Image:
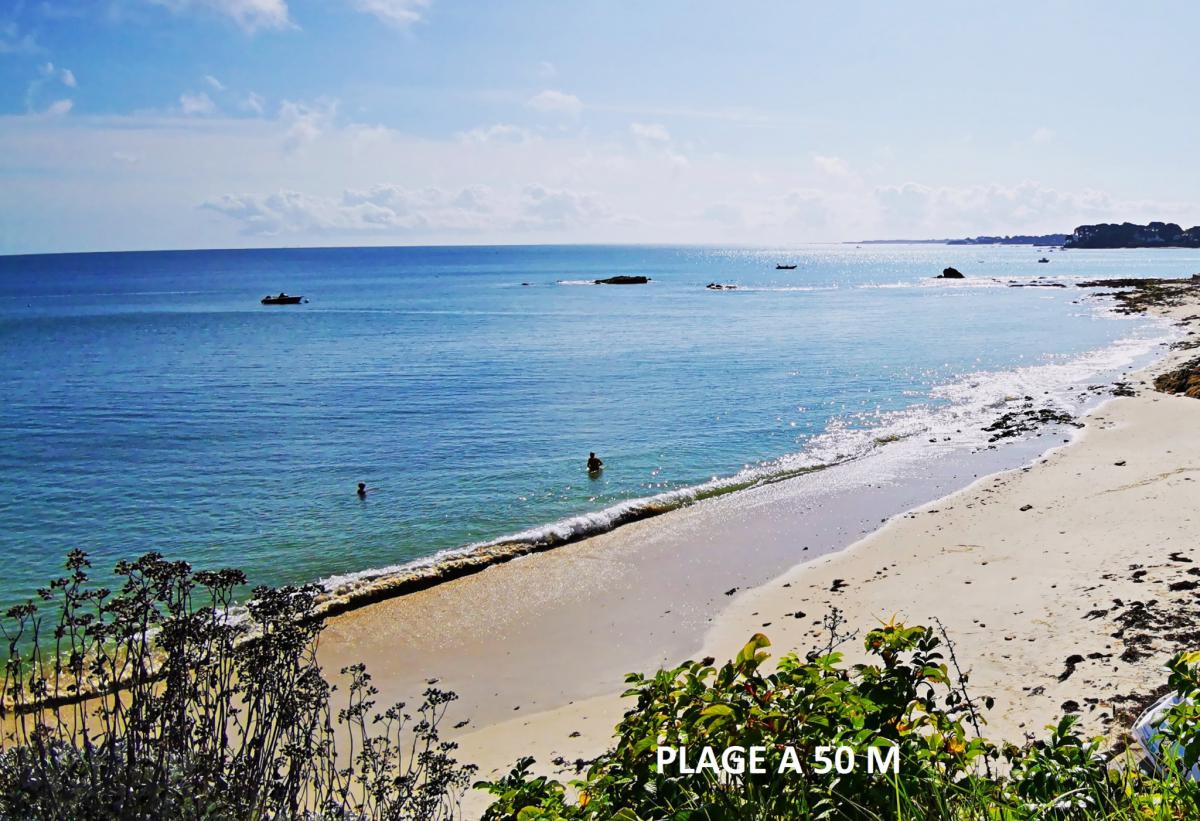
[
  {"x": 584, "y": 612},
  {"x": 349, "y": 591}
]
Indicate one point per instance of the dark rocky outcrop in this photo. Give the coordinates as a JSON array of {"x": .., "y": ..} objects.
[
  {"x": 1131, "y": 235},
  {"x": 1184, "y": 379},
  {"x": 1028, "y": 420},
  {"x": 623, "y": 280},
  {"x": 1037, "y": 283},
  {"x": 950, "y": 273},
  {"x": 1139, "y": 294}
]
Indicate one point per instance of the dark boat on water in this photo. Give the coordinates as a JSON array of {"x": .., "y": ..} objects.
[
  {"x": 282, "y": 299},
  {"x": 785, "y": 267}
]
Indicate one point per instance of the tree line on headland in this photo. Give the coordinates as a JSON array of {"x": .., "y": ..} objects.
[
  {"x": 1101, "y": 235},
  {"x": 1131, "y": 235}
]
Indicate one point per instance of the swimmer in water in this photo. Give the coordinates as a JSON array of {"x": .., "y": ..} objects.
[
  {"x": 594, "y": 464},
  {"x": 362, "y": 490}
]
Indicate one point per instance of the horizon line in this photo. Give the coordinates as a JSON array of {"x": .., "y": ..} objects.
[{"x": 18, "y": 254}]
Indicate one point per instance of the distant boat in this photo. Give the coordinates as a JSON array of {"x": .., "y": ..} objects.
[
  {"x": 1043, "y": 259},
  {"x": 785, "y": 267},
  {"x": 282, "y": 299}
]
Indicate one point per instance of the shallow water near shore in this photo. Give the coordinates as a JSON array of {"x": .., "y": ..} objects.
[{"x": 150, "y": 402}]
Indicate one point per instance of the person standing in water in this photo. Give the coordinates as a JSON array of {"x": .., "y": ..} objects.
[
  {"x": 362, "y": 490},
  {"x": 594, "y": 464}
]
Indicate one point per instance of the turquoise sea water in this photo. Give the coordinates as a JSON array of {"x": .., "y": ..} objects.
[{"x": 148, "y": 401}]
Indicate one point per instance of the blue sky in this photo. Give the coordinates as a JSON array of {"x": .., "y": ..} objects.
[{"x": 229, "y": 123}]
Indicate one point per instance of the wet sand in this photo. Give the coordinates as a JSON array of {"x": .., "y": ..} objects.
[{"x": 547, "y": 629}]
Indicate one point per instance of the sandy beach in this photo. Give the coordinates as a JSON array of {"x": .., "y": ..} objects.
[{"x": 1065, "y": 584}]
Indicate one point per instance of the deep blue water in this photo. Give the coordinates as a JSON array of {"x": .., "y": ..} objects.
[{"x": 150, "y": 402}]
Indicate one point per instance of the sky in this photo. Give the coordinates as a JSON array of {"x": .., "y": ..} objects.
[{"x": 147, "y": 124}]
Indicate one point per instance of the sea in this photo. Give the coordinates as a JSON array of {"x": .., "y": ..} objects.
[{"x": 149, "y": 402}]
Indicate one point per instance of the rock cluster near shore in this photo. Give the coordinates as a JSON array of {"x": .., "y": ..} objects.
[
  {"x": 1028, "y": 420},
  {"x": 1040, "y": 282},
  {"x": 1182, "y": 380},
  {"x": 1137, "y": 295}
]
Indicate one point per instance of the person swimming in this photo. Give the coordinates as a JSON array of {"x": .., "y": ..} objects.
[
  {"x": 594, "y": 464},
  {"x": 362, "y": 490}
]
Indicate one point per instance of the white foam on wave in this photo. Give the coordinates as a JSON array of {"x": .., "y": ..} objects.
[
  {"x": 952, "y": 418},
  {"x": 783, "y": 289},
  {"x": 1006, "y": 281}
]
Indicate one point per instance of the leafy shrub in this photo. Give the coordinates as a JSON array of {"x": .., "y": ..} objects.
[
  {"x": 912, "y": 697},
  {"x": 192, "y": 714}
]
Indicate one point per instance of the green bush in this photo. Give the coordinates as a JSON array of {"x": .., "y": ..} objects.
[{"x": 907, "y": 699}]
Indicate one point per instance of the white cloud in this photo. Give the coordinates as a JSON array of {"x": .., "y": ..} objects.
[
  {"x": 396, "y": 210},
  {"x": 14, "y": 41},
  {"x": 1029, "y": 205},
  {"x": 253, "y": 102},
  {"x": 399, "y": 13},
  {"x": 1042, "y": 135},
  {"x": 58, "y": 108},
  {"x": 196, "y": 104},
  {"x": 498, "y": 133},
  {"x": 305, "y": 121},
  {"x": 216, "y": 84},
  {"x": 543, "y": 207},
  {"x": 654, "y": 132},
  {"x": 556, "y": 102},
  {"x": 250, "y": 15},
  {"x": 724, "y": 213},
  {"x": 300, "y": 174},
  {"x": 834, "y": 166},
  {"x": 64, "y": 75},
  {"x": 800, "y": 212},
  {"x": 49, "y": 73}
]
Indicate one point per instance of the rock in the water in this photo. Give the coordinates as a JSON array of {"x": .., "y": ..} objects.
[
  {"x": 623, "y": 280},
  {"x": 1037, "y": 283},
  {"x": 950, "y": 273}
]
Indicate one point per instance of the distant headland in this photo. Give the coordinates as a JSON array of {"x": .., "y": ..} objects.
[
  {"x": 1017, "y": 239},
  {"x": 1102, "y": 235},
  {"x": 1130, "y": 235}
]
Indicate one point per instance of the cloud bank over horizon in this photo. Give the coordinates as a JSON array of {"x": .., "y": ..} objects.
[{"x": 434, "y": 133}]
